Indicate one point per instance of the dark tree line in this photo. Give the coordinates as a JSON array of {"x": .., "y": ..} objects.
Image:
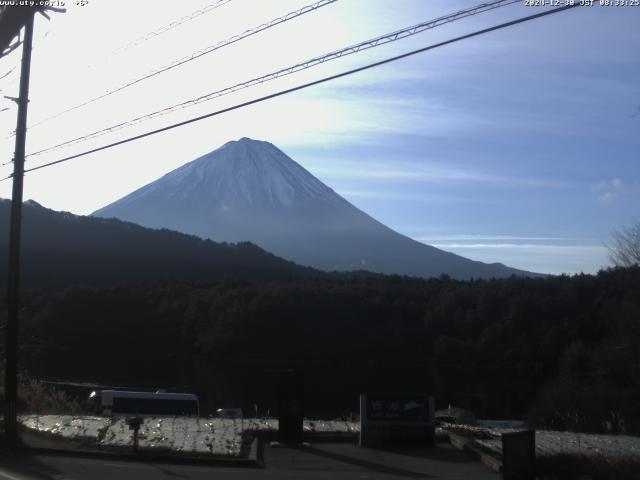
[{"x": 561, "y": 349}]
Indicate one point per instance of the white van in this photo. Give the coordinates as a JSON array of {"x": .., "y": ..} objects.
[{"x": 121, "y": 402}]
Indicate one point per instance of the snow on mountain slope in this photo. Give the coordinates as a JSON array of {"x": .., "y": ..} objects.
[
  {"x": 240, "y": 174},
  {"x": 251, "y": 190}
]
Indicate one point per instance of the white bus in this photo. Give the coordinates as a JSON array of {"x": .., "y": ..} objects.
[{"x": 121, "y": 402}]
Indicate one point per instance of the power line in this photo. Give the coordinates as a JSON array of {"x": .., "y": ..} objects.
[
  {"x": 17, "y": 64},
  {"x": 11, "y": 48},
  {"x": 164, "y": 29},
  {"x": 304, "y": 86},
  {"x": 371, "y": 43},
  {"x": 195, "y": 55},
  {"x": 11, "y": 82},
  {"x": 10, "y": 71}
]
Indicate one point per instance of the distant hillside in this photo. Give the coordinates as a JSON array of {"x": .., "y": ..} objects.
[{"x": 59, "y": 248}]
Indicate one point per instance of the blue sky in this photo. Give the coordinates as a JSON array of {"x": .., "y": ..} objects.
[{"x": 519, "y": 146}]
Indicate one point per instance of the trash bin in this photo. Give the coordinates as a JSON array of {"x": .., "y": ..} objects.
[{"x": 290, "y": 406}]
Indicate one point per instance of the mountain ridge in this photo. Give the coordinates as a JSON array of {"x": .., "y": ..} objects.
[{"x": 63, "y": 249}]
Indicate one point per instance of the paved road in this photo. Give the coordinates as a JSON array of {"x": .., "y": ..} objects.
[{"x": 320, "y": 461}]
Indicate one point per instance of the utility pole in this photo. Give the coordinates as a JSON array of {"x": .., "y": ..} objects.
[{"x": 13, "y": 287}]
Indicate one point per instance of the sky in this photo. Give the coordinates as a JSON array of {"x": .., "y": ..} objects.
[{"x": 519, "y": 146}]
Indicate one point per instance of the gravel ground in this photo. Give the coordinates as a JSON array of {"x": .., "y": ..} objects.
[
  {"x": 220, "y": 437},
  {"x": 550, "y": 443},
  {"x": 215, "y": 436}
]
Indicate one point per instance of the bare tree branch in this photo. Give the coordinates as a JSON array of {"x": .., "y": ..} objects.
[{"x": 625, "y": 250}]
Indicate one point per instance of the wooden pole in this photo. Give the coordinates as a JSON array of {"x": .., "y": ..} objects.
[{"x": 13, "y": 287}]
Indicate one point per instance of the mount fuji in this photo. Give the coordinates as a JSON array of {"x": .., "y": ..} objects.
[{"x": 249, "y": 190}]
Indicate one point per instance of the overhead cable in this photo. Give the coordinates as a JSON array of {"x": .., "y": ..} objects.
[
  {"x": 303, "y": 86},
  {"x": 371, "y": 43},
  {"x": 212, "y": 48},
  {"x": 164, "y": 29}
]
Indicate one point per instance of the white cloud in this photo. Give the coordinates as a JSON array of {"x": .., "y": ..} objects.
[
  {"x": 425, "y": 172},
  {"x": 548, "y": 258},
  {"x": 608, "y": 198},
  {"x": 611, "y": 190},
  {"x": 465, "y": 237},
  {"x": 613, "y": 184},
  {"x": 377, "y": 194},
  {"x": 523, "y": 246}
]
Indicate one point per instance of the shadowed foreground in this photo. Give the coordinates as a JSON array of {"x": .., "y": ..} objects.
[{"x": 344, "y": 460}]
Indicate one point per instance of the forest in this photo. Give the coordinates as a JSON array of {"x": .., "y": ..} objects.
[{"x": 560, "y": 351}]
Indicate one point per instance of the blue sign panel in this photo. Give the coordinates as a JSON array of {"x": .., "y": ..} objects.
[{"x": 398, "y": 408}]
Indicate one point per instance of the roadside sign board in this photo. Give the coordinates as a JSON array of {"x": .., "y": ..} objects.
[{"x": 396, "y": 418}]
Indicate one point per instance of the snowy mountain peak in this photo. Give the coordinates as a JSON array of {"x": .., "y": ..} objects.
[
  {"x": 251, "y": 190},
  {"x": 241, "y": 174}
]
